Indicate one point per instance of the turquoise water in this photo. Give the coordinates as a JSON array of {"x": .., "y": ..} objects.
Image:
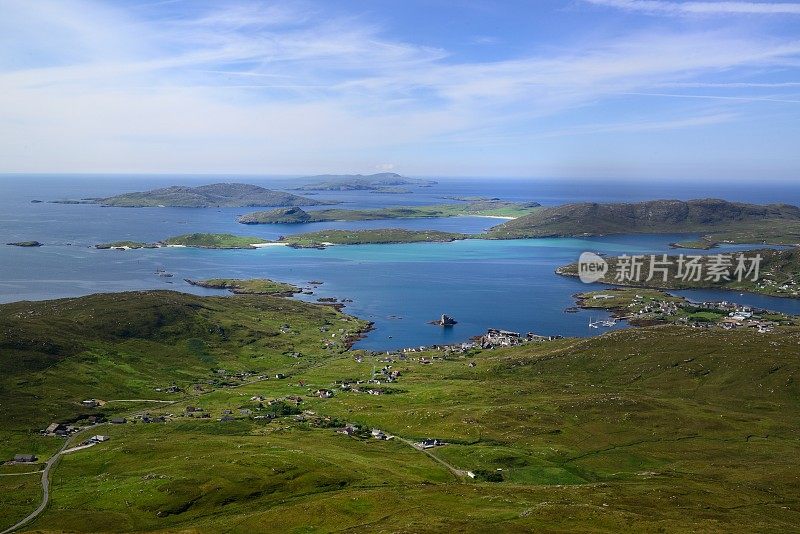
[{"x": 483, "y": 284}]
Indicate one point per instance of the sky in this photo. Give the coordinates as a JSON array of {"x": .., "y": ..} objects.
[{"x": 634, "y": 89}]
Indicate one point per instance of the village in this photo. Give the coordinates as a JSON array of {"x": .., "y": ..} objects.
[{"x": 641, "y": 307}]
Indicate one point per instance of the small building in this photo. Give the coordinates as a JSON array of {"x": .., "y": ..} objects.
[
  {"x": 118, "y": 421},
  {"x": 25, "y": 458},
  {"x": 379, "y": 434},
  {"x": 280, "y": 376},
  {"x": 324, "y": 393},
  {"x": 99, "y": 438},
  {"x": 348, "y": 430},
  {"x": 430, "y": 443},
  {"x": 90, "y": 403}
]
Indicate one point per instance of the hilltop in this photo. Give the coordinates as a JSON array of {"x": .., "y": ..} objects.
[
  {"x": 387, "y": 181},
  {"x": 717, "y": 219},
  {"x": 221, "y": 195}
]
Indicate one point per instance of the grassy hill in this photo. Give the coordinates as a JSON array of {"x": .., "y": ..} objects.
[
  {"x": 202, "y": 240},
  {"x": 722, "y": 220},
  {"x": 664, "y": 428},
  {"x": 222, "y": 195},
  {"x": 497, "y": 208}
]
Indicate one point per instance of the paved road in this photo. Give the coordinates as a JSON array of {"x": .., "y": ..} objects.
[{"x": 45, "y": 490}]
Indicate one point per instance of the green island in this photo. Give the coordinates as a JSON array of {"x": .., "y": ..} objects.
[
  {"x": 778, "y": 273},
  {"x": 28, "y": 244},
  {"x": 221, "y": 195},
  {"x": 319, "y": 239},
  {"x": 366, "y": 237},
  {"x": 196, "y": 240},
  {"x": 733, "y": 223},
  {"x": 719, "y": 221},
  {"x": 239, "y": 412},
  {"x": 645, "y": 307},
  {"x": 258, "y": 286},
  {"x": 385, "y": 182},
  {"x": 201, "y": 240},
  {"x": 490, "y": 208}
]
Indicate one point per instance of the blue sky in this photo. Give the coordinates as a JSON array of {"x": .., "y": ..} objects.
[{"x": 639, "y": 89}]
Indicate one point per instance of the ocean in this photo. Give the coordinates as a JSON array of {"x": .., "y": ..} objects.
[{"x": 483, "y": 284}]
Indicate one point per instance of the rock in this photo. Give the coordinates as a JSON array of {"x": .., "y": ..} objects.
[
  {"x": 25, "y": 244},
  {"x": 445, "y": 320}
]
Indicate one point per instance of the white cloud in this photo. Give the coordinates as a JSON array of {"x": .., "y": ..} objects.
[
  {"x": 283, "y": 89},
  {"x": 703, "y": 8}
]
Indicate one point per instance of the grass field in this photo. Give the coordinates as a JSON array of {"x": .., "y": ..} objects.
[{"x": 651, "y": 429}]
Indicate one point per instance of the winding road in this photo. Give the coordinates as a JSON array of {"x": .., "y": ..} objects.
[{"x": 45, "y": 490}]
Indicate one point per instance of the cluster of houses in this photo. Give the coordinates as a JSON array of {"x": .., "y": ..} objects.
[
  {"x": 506, "y": 338},
  {"x": 60, "y": 429},
  {"x": 430, "y": 443},
  {"x": 738, "y": 316},
  {"x": 94, "y": 440},
  {"x": 789, "y": 287}
]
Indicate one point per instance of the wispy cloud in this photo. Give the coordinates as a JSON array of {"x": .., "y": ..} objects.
[
  {"x": 257, "y": 87},
  {"x": 720, "y": 97},
  {"x": 703, "y": 8}
]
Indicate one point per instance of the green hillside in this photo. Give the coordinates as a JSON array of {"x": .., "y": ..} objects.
[
  {"x": 717, "y": 220},
  {"x": 665, "y": 428}
]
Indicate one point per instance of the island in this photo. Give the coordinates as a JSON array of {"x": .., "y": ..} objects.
[
  {"x": 201, "y": 240},
  {"x": 220, "y": 195},
  {"x": 383, "y": 182},
  {"x": 778, "y": 271},
  {"x": 196, "y": 240},
  {"x": 255, "y": 286},
  {"x": 125, "y": 245},
  {"x": 475, "y": 208},
  {"x": 719, "y": 221},
  {"x": 25, "y": 244},
  {"x": 378, "y": 236}
]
